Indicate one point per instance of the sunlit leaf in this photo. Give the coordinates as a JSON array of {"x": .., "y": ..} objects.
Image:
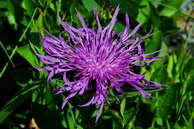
[{"x": 26, "y": 52}]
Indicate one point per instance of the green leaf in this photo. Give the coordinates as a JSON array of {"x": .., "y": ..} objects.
[
  {"x": 164, "y": 50},
  {"x": 170, "y": 66},
  {"x": 90, "y": 5},
  {"x": 38, "y": 24},
  {"x": 129, "y": 6},
  {"x": 3, "y": 4},
  {"x": 159, "y": 121},
  {"x": 52, "y": 6},
  {"x": 122, "y": 106},
  {"x": 116, "y": 125},
  {"x": 128, "y": 115},
  {"x": 154, "y": 44},
  {"x": 117, "y": 119},
  {"x": 6, "y": 65},
  {"x": 26, "y": 52},
  {"x": 166, "y": 102},
  {"x": 171, "y": 7},
  {"x": 58, "y": 4},
  {"x": 187, "y": 87},
  {"x": 168, "y": 124},
  {"x": 28, "y": 25},
  {"x": 14, "y": 102},
  {"x": 29, "y": 6},
  {"x": 144, "y": 13},
  {"x": 119, "y": 27},
  {"x": 70, "y": 117},
  {"x": 11, "y": 13},
  {"x": 168, "y": 12}
]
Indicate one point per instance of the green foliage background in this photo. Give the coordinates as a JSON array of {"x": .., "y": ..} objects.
[{"x": 25, "y": 93}]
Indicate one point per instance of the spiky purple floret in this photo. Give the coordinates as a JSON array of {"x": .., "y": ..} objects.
[{"x": 97, "y": 55}]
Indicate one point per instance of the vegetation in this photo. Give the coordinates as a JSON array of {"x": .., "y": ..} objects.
[{"x": 28, "y": 101}]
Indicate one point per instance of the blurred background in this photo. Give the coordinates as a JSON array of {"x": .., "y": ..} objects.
[{"x": 28, "y": 102}]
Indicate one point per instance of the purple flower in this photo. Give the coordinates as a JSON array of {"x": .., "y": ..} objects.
[{"x": 97, "y": 55}]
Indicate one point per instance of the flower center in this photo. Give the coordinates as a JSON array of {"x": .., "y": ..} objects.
[{"x": 97, "y": 68}]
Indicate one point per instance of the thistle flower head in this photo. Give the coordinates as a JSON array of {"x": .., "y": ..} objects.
[{"x": 95, "y": 54}]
